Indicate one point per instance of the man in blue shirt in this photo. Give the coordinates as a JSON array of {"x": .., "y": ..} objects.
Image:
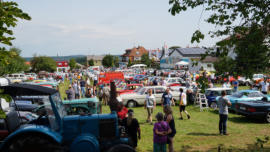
[{"x": 167, "y": 98}]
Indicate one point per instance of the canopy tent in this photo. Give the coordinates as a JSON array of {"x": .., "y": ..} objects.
[
  {"x": 138, "y": 65},
  {"x": 181, "y": 63}
]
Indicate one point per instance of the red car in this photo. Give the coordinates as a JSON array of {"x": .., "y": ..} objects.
[{"x": 129, "y": 88}]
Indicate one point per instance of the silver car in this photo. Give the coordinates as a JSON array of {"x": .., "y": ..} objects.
[{"x": 138, "y": 98}]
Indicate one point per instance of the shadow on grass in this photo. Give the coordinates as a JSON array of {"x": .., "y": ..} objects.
[
  {"x": 245, "y": 120},
  {"x": 202, "y": 134}
]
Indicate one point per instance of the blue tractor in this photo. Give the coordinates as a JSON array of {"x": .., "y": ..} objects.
[{"x": 54, "y": 130}]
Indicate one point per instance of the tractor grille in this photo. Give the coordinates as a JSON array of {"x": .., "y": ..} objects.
[{"x": 107, "y": 129}]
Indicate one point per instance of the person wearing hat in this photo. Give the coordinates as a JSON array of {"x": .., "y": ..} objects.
[{"x": 132, "y": 127}]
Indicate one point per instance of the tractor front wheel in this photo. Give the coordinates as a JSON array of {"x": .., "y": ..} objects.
[
  {"x": 33, "y": 143},
  {"x": 121, "y": 148}
]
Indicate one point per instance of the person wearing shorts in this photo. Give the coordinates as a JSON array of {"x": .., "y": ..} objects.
[
  {"x": 182, "y": 104},
  {"x": 150, "y": 104}
]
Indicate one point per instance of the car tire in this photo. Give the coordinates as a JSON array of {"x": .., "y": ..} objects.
[
  {"x": 213, "y": 105},
  {"x": 121, "y": 148},
  {"x": 131, "y": 104},
  {"x": 34, "y": 142},
  {"x": 267, "y": 117}
]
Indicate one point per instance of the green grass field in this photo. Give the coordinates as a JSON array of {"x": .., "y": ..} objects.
[{"x": 200, "y": 133}]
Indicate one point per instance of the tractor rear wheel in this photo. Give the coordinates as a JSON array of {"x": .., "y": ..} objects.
[
  {"x": 121, "y": 148},
  {"x": 33, "y": 143}
]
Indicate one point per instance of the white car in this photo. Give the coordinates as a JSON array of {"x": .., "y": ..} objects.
[
  {"x": 138, "y": 98},
  {"x": 16, "y": 77},
  {"x": 170, "y": 81}
]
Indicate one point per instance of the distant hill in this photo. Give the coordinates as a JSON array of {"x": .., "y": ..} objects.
[{"x": 60, "y": 58}]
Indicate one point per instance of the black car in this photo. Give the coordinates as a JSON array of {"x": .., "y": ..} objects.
[{"x": 255, "y": 109}]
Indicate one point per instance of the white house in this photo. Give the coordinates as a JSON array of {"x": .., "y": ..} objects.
[{"x": 190, "y": 55}]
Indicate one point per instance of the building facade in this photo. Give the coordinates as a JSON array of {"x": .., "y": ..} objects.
[
  {"x": 134, "y": 54},
  {"x": 189, "y": 55},
  {"x": 62, "y": 66},
  {"x": 96, "y": 58}
]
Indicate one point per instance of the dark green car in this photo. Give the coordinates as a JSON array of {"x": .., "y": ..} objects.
[{"x": 82, "y": 106}]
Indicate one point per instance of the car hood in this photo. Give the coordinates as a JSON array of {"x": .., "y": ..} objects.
[{"x": 256, "y": 103}]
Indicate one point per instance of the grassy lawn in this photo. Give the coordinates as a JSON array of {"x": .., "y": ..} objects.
[{"x": 200, "y": 133}]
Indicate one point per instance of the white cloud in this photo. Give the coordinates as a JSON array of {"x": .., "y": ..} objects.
[{"x": 91, "y": 31}]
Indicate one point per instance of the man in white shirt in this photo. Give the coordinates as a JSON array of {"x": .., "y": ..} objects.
[
  {"x": 264, "y": 86},
  {"x": 150, "y": 104},
  {"x": 183, "y": 103}
]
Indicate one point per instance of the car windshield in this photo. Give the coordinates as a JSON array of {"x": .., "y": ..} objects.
[
  {"x": 238, "y": 94},
  {"x": 138, "y": 89},
  {"x": 141, "y": 91}
]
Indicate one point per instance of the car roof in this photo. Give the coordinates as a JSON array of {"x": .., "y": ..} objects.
[
  {"x": 218, "y": 89},
  {"x": 248, "y": 91},
  {"x": 155, "y": 87}
]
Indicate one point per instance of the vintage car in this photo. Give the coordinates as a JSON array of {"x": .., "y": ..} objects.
[
  {"x": 255, "y": 109},
  {"x": 212, "y": 93},
  {"x": 82, "y": 106},
  {"x": 130, "y": 88},
  {"x": 138, "y": 98},
  {"x": 246, "y": 95}
]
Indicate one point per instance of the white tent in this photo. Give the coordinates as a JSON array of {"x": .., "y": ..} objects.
[
  {"x": 138, "y": 66},
  {"x": 181, "y": 63}
]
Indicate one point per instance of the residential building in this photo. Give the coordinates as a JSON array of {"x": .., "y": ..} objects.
[
  {"x": 190, "y": 55},
  {"x": 62, "y": 66},
  {"x": 134, "y": 54},
  {"x": 96, "y": 58}
]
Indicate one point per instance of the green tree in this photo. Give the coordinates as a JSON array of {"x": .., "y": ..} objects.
[
  {"x": 9, "y": 15},
  {"x": 43, "y": 63},
  {"x": 129, "y": 63},
  {"x": 91, "y": 62},
  {"x": 81, "y": 60},
  {"x": 11, "y": 61},
  {"x": 145, "y": 59},
  {"x": 108, "y": 61},
  {"x": 72, "y": 63},
  {"x": 224, "y": 65},
  {"x": 248, "y": 37},
  {"x": 116, "y": 61}
]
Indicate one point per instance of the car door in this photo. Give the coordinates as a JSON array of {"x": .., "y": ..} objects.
[{"x": 158, "y": 92}]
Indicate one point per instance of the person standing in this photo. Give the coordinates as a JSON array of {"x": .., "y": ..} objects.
[
  {"x": 223, "y": 104},
  {"x": 106, "y": 94},
  {"x": 264, "y": 86},
  {"x": 132, "y": 127},
  {"x": 182, "y": 104},
  {"x": 150, "y": 104},
  {"x": 235, "y": 85},
  {"x": 160, "y": 131},
  {"x": 82, "y": 84},
  {"x": 70, "y": 93},
  {"x": 167, "y": 98},
  {"x": 170, "y": 120}
]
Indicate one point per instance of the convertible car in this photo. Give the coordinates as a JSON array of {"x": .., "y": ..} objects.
[
  {"x": 256, "y": 109},
  {"x": 246, "y": 96}
]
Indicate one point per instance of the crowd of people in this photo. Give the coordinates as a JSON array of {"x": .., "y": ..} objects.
[{"x": 164, "y": 129}]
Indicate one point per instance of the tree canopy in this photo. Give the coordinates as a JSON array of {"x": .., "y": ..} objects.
[
  {"x": 246, "y": 23},
  {"x": 72, "y": 63},
  {"x": 11, "y": 61},
  {"x": 91, "y": 62},
  {"x": 9, "y": 15},
  {"x": 43, "y": 63},
  {"x": 108, "y": 61}
]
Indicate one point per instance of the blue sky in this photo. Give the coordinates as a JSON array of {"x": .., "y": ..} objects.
[{"x": 86, "y": 27}]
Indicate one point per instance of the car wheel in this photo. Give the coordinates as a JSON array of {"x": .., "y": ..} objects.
[
  {"x": 268, "y": 117},
  {"x": 121, "y": 148},
  {"x": 31, "y": 143},
  {"x": 131, "y": 104},
  {"x": 213, "y": 105}
]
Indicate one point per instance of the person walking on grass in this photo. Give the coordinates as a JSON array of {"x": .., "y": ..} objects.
[
  {"x": 182, "y": 104},
  {"x": 167, "y": 98},
  {"x": 170, "y": 120},
  {"x": 150, "y": 104},
  {"x": 161, "y": 130},
  {"x": 223, "y": 104}
]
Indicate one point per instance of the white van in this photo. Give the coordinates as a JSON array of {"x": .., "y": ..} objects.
[{"x": 16, "y": 77}]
